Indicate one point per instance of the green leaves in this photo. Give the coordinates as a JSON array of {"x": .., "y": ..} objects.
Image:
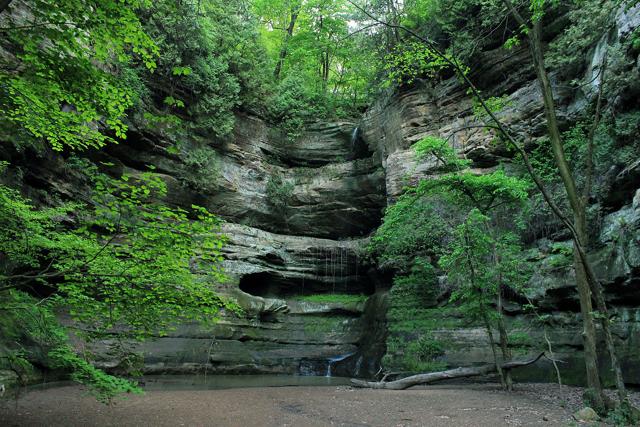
[
  {"x": 173, "y": 102},
  {"x": 124, "y": 265},
  {"x": 210, "y": 64},
  {"x": 442, "y": 151},
  {"x": 279, "y": 192},
  {"x": 26, "y": 319},
  {"x": 328, "y": 51},
  {"x": 65, "y": 86},
  {"x": 480, "y": 261},
  {"x": 181, "y": 71},
  {"x": 481, "y": 191},
  {"x": 413, "y": 60}
]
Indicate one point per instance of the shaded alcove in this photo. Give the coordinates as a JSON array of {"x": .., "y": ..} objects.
[{"x": 270, "y": 285}]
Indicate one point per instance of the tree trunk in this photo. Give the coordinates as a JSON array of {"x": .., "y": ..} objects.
[
  {"x": 502, "y": 329},
  {"x": 431, "y": 377},
  {"x": 504, "y": 341},
  {"x": 295, "y": 10},
  {"x": 586, "y": 282}
]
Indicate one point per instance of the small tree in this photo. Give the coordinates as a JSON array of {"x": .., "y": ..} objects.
[
  {"x": 482, "y": 264},
  {"x": 124, "y": 266},
  {"x": 484, "y": 258}
]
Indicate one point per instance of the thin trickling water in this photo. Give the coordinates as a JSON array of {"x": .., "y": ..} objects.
[{"x": 333, "y": 360}]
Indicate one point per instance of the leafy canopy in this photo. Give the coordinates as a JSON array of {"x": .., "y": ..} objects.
[
  {"x": 128, "y": 261},
  {"x": 66, "y": 81},
  {"x": 123, "y": 265}
]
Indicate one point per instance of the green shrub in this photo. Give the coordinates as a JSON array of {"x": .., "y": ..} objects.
[
  {"x": 201, "y": 168},
  {"x": 418, "y": 355},
  {"x": 425, "y": 348},
  {"x": 419, "y": 288},
  {"x": 279, "y": 192}
]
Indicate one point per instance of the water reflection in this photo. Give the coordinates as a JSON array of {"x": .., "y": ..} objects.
[{"x": 214, "y": 382}]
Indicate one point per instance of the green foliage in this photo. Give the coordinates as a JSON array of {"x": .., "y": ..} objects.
[
  {"x": 210, "y": 63},
  {"x": 124, "y": 266},
  {"x": 562, "y": 249},
  {"x": 493, "y": 103},
  {"x": 279, "y": 192},
  {"x": 591, "y": 399},
  {"x": 589, "y": 21},
  {"x": 561, "y": 255},
  {"x": 410, "y": 344},
  {"x": 314, "y": 324},
  {"x": 418, "y": 355},
  {"x": 148, "y": 276},
  {"x": 413, "y": 60},
  {"x": 201, "y": 168},
  {"x": 481, "y": 191},
  {"x": 331, "y": 62},
  {"x": 442, "y": 151},
  {"x": 455, "y": 24},
  {"x": 624, "y": 415},
  {"x": 480, "y": 263},
  {"x": 293, "y": 105},
  {"x": 520, "y": 339},
  {"x": 411, "y": 227},
  {"x": 420, "y": 285},
  {"x": 425, "y": 348},
  {"x": 64, "y": 82},
  {"x": 33, "y": 334}
]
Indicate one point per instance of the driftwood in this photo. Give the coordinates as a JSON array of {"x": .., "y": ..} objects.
[{"x": 431, "y": 377}]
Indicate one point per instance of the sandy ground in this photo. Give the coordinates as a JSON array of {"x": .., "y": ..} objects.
[{"x": 441, "y": 405}]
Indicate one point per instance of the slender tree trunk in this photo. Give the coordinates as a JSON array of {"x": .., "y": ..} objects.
[
  {"x": 502, "y": 329},
  {"x": 501, "y": 373},
  {"x": 295, "y": 10},
  {"x": 485, "y": 317},
  {"x": 586, "y": 282},
  {"x": 394, "y": 18},
  {"x": 504, "y": 341},
  {"x": 552, "y": 356}
]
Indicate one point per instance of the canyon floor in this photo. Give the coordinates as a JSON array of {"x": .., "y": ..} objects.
[{"x": 442, "y": 405}]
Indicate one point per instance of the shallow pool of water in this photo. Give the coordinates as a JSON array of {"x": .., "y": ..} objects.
[
  {"x": 213, "y": 382},
  {"x": 208, "y": 382}
]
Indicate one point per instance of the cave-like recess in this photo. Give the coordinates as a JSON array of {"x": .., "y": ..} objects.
[{"x": 272, "y": 285}]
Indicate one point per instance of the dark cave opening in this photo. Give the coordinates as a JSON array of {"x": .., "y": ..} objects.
[{"x": 273, "y": 285}]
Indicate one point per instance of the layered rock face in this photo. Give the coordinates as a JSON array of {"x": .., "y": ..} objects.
[
  {"x": 276, "y": 254},
  {"x": 304, "y": 238}
]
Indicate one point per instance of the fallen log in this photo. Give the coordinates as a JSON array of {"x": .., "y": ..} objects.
[{"x": 420, "y": 379}]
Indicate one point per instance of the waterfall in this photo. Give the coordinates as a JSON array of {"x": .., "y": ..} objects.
[
  {"x": 326, "y": 265},
  {"x": 332, "y": 360},
  {"x": 354, "y": 139},
  {"x": 355, "y": 253},
  {"x": 344, "y": 260},
  {"x": 358, "y": 365},
  {"x": 334, "y": 256},
  {"x": 341, "y": 250}
]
